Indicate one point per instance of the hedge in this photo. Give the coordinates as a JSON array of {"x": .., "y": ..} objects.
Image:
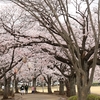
[{"x": 95, "y": 84}]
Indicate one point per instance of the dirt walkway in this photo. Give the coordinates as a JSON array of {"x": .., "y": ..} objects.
[{"x": 39, "y": 97}]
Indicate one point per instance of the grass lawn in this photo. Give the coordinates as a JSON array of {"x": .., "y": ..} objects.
[
  {"x": 94, "y": 89},
  {"x": 44, "y": 89}
]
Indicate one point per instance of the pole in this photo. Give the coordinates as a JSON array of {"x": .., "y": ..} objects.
[
  {"x": 42, "y": 86},
  {"x": 57, "y": 86}
]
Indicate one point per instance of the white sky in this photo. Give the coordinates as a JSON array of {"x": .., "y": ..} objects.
[{"x": 4, "y": 2}]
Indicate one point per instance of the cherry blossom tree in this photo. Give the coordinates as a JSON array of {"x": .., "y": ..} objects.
[
  {"x": 10, "y": 57},
  {"x": 66, "y": 70},
  {"x": 12, "y": 25},
  {"x": 49, "y": 12},
  {"x": 49, "y": 42},
  {"x": 5, "y": 69},
  {"x": 46, "y": 73},
  {"x": 59, "y": 76}
]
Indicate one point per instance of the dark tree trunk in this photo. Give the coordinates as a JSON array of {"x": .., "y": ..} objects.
[
  {"x": 13, "y": 89},
  {"x": 72, "y": 85},
  {"x": 9, "y": 82},
  {"x": 0, "y": 85},
  {"x": 67, "y": 88},
  {"x": 61, "y": 87},
  {"x": 16, "y": 85},
  {"x": 82, "y": 93},
  {"x": 83, "y": 85},
  {"x": 34, "y": 84},
  {"x": 5, "y": 93},
  {"x": 49, "y": 85},
  {"x": 48, "y": 81}
]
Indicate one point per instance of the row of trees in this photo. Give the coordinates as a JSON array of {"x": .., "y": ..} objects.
[
  {"x": 21, "y": 57},
  {"x": 82, "y": 57},
  {"x": 65, "y": 37}
]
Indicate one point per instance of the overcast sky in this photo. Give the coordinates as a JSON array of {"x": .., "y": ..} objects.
[
  {"x": 2, "y": 2},
  {"x": 7, "y": 2}
]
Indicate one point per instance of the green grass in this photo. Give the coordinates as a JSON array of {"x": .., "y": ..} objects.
[{"x": 90, "y": 97}]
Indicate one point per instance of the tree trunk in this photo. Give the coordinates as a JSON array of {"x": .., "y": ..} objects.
[
  {"x": 82, "y": 93},
  {"x": 67, "y": 88},
  {"x": 0, "y": 85},
  {"x": 61, "y": 87},
  {"x": 34, "y": 84},
  {"x": 16, "y": 85},
  {"x": 9, "y": 82},
  {"x": 49, "y": 85},
  {"x": 72, "y": 85},
  {"x": 49, "y": 89},
  {"x": 83, "y": 86},
  {"x": 5, "y": 94},
  {"x": 13, "y": 89}
]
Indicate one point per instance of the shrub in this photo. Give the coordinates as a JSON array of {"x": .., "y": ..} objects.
[
  {"x": 72, "y": 98},
  {"x": 1, "y": 92},
  {"x": 90, "y": 97},
  {"x": 95, "y": 84}
]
